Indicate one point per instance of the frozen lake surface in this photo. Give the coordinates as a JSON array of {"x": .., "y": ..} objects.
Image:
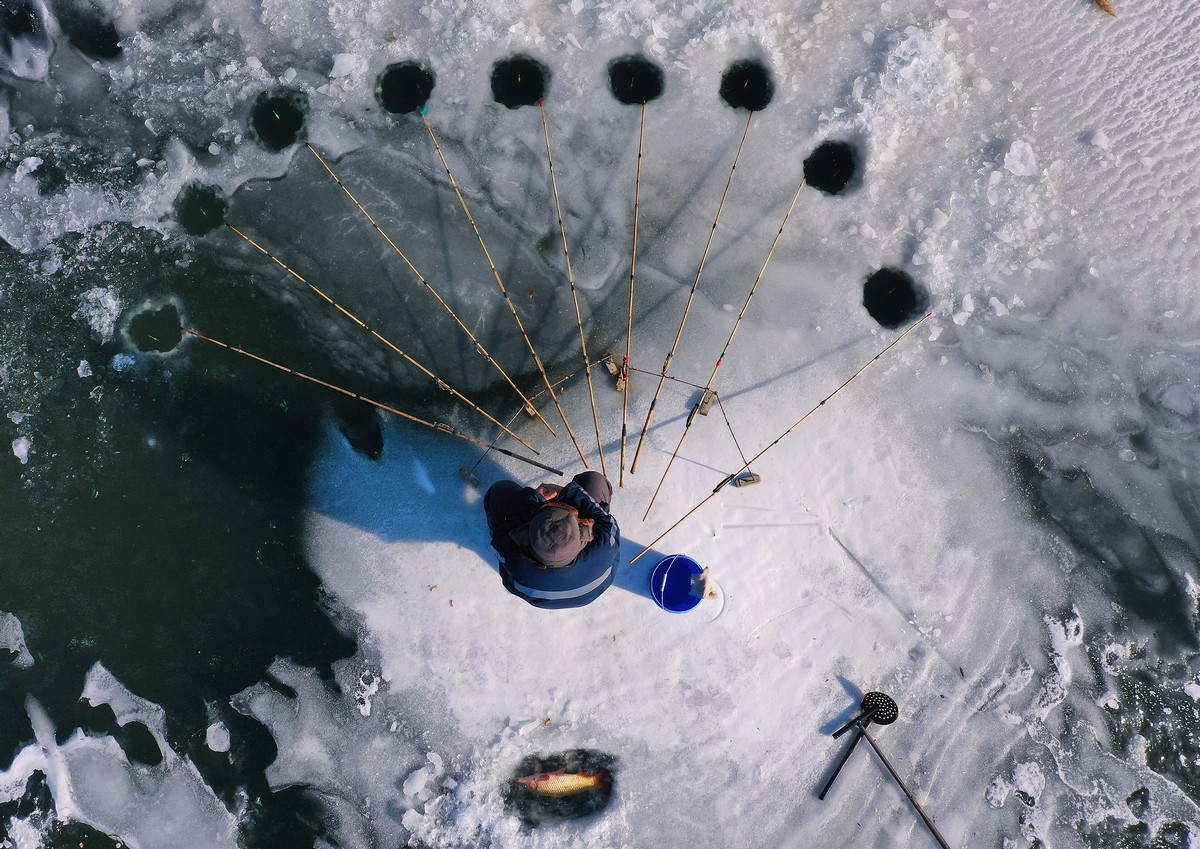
[{"x": 241, "y": 607}]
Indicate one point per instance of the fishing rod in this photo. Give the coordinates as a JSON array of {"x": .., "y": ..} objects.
[
  {"x": 438, "y": 426},
  {"x": 469, "y": 474},
  {"x": 562, "y": 228},
  {"x": 500, "y": 282},
  {"x": 730, "y": 478},
  {"x": 479, "y": 348},
  {"x": 691, "y": 296},
  {"x": 625, "y": 366},
  {"x": 441, "y": 384},
  {"x": 705, "y": 401}
]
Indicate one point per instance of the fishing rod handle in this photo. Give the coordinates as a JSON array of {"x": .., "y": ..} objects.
[{"x": 842, "y": 762}]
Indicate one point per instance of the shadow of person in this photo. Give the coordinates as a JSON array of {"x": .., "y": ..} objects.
[{"x": 413, "y": 492}]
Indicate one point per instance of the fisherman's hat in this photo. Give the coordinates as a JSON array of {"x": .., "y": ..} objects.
[{"x": 553, "y": 535}]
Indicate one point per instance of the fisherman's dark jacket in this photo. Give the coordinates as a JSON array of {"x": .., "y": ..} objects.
[{"x": 574, "y": 585}]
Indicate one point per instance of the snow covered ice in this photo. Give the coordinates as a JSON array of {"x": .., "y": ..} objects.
[{"x": 996, "y": 524}]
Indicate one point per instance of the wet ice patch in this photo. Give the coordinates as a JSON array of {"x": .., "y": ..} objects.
[{"x": 99, "y": 307}]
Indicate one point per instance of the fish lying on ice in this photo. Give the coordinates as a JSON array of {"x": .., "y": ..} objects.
[{"x": 562, "y": 783}]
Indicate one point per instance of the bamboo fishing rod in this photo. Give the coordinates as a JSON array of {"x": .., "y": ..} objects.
[
  {"x": 729, "y": 478},
  {"x": 562, "y": 228},
  {"x": 441, "y": 384},
  {"x": 721, "y": 357},
  {"x": 479, "y": 348},
  {"x": 469, "y": 474},
  {"x": 500, "y": 282},
  {"x": 625, "y": 366},
  {"x": 439, "y": 426},
  {"x": 691, "y": 296}
]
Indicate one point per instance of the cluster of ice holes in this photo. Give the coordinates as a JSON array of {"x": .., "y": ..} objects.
[{"x": 278, "y": 117}]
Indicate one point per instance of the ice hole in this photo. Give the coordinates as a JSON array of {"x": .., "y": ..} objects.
[
  {"x": 635, "y": 79},
  {"x": 89, "y": 31},
  {"x": 17, "y": 19},
  {"x": 199, "y": 208},
  {"x": 277, "y": 118},
  {"x": 519, "y": 81},
  {"x": 359, "y": 424},
  {"x": 832, "y": 167},
  {"x": 404, "y": 87},
  {"x": 747, "y": 84},
  {"x": 892, "y": 297},
  {"x": 155, "y": 328}
]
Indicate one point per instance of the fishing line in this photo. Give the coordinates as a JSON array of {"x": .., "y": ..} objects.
[
  {"x": 500, "y": 282},
  {"x": 691, "y": 297},
  {"x": 669, "y": 377},
  {"x": 562, "y": 228},
  {"x": 800, "y": 421},
  {"x": 625, "y": 366},
  {"x": 469, "y": 474},
  {"x": 729, "y": 424},
  {"x": 700, "y": 408},
  {"x": 441, "y": 384},
  {"x": 438, "y": 426},
  {"x": 479, "y": 348}
]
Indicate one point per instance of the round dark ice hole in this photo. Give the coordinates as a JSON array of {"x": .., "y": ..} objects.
[
  {"x": 832, "y": 166},
  {"x": 200, "y": 208},
  {"x": 635, "y": 79},
  {"x": 892, "y": 298},
  {"x": 156, "y": 329},
  {"x": 89, "y": 32},
  {"x": 519, "y": 81},
  {"x": 277, "y": 118},
  {"x": 404, "y": 87},
  {"x": 746, "y": 84}
]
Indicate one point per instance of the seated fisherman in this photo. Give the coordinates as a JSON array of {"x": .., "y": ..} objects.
[{"x": 559, "y": 546}]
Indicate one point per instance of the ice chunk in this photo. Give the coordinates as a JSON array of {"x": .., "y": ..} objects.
[
  {"x": 85, "y": 369},
  {"x": 345, "y": 64},
  {"x": 417, "y": 782},
  {"x": 99, "y": 307},
  {"x": 217, "y": 737},
  {"x": 1020, "y": 159},
  {"x": 12, "y": 638},
  {"x": 101, "y": 687},
  {"x": 20, "y": 448}
]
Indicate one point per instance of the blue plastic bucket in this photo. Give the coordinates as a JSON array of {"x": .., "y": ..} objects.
[{"x": 671, "y": 583}]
